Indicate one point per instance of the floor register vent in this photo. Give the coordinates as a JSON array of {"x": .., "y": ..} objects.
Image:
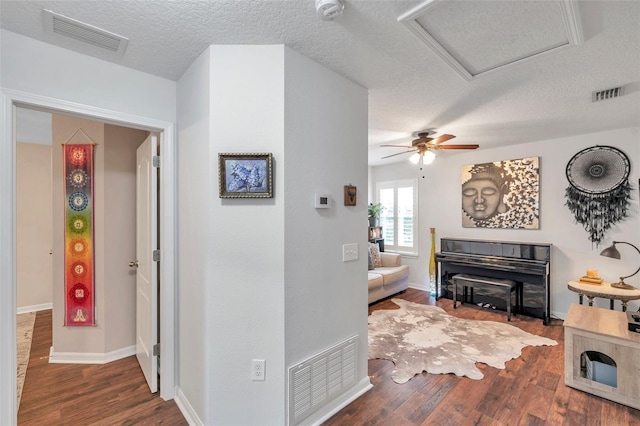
[{"x": 314, "y": 382}]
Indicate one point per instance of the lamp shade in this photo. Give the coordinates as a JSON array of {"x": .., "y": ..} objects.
[
  {"x": 429, "y": 157},
  {"x": 415, "y": 158},
  {"x": 611, "y": 252}
]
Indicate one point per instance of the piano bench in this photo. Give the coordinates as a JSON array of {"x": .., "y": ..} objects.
[{"x": 473, "y": 281}]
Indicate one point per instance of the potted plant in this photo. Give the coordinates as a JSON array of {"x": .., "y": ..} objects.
[{"x": 374, "y": 213}]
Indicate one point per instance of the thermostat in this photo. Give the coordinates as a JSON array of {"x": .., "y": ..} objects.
[{"x": 323, "y": 201}]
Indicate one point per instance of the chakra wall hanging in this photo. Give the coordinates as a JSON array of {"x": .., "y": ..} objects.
[
  {"x": 599, "y": 192},
  {"x": 79, "y": 245},
  {"x": 502, "y": 194}
]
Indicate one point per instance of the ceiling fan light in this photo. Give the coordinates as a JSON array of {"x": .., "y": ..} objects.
[
  {"x": 429, "y": 156},
  {"x": 415, "y": 158}
]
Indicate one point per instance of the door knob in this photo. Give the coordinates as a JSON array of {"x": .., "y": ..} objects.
[{"x": 134, "y": 263}]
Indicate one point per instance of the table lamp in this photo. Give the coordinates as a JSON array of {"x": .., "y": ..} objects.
[{"x": 613, "y": 252}]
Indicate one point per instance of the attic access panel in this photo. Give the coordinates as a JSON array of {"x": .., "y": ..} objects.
[{"x": 478, "y": 37}]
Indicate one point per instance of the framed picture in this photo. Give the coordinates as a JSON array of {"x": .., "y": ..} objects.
[
  {"x": 502, "y": 194},
  {"x": 350, "y": 195},
  {"x": 245, "y": 175}
]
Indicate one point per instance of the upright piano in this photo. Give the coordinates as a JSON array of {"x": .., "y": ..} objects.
[{"x": 529, "y": 264}]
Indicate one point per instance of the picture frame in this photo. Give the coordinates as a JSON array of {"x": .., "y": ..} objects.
[
  {"x": 245, "y": 175},
  {"x": 501, "y": 194},
  {"x": 350, "y": 195}
]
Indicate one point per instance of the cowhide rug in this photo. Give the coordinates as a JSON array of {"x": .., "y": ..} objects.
[{"x": 420, "y": 338}]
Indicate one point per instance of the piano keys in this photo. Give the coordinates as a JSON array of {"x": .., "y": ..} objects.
[{"x": 529, "y": 264}]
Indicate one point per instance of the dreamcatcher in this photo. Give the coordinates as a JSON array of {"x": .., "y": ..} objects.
[{"x": 599, "y": 193}]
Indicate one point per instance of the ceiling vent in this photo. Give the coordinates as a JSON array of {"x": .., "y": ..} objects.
[
  {"x": 603, "y": 95},
  {"x": 60, "y": 25}
]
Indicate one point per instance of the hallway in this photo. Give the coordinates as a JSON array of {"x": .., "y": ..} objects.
[{"x": 114, "y": 393}]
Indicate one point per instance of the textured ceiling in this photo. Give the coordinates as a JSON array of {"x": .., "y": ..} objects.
[
  {"x": 410, "y": 87},
  {"x": 495, "y": 33}
]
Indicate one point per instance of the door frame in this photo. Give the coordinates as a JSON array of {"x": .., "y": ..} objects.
[{"x": 10, "y": 99}]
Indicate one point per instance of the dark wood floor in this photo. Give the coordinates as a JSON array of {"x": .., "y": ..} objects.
[
  {"x": 72, "y": 394},
  {"x": 530, "y": 391}
]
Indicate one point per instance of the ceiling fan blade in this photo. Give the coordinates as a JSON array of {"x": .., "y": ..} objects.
[
  {"x": 469, "y": 146},
  {"x": 440, "y": 139},
  {"x": 393, "y": 155},
  {"x": 398, "y": 146}
]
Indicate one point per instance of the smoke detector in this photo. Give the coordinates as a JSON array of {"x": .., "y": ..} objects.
[{"x": 329, "y": 9}]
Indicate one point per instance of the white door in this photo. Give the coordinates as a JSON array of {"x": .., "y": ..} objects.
[{"x": 147, "y": 271}]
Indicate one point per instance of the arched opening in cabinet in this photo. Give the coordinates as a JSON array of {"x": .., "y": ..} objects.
[{"x": 599, "y": 367}]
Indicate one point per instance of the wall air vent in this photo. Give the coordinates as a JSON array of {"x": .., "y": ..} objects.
[
  {"x": 603, "y": 95},
  {"x": 321, "y": 378},
  {"x": 60, "y": 25}
]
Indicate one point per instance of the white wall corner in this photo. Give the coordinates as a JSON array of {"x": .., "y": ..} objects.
[
  {"x": 423, "y": 287},
  {"x": 186, "y": 409}
]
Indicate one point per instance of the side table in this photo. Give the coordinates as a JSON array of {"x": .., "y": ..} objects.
[
  {"x": 605, "y": 291},
  {"x": 594, "y": 329}
]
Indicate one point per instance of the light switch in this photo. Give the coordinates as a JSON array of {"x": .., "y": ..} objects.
[{"x": 349, "y": 252}]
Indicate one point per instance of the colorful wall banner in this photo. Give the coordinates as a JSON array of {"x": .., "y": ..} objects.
[{"x": 79, "y": 259}]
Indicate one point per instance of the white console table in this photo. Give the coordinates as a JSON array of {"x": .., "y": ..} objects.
[{"x": 588, "y": 328}]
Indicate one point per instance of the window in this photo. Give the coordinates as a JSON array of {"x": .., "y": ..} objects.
[{"x": 399, "y": 218}]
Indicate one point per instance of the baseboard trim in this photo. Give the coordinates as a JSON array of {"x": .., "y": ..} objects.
[
  {"x": 34, "y": 308},
  {"x": 423, "y": 287},
  {"x": 186, "y": 409},
  {"x": 339, "y": 403},
  {"x": 90, "y": 358}
]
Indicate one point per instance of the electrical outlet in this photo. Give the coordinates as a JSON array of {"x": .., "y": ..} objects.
[{"x": 258, "y": 367}]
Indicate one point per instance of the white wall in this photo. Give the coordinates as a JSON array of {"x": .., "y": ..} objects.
[
  {"x": 196, "y": 187},
  {"x": 33, "y": 126},
  {"x": 573, "y": 253},
  {"x": 247, "y": 115},
  {"x": 38, "y": 70},
  {"x": 35, "y": 67},
  {"x": 325, "y": 149},
  {"x": 231, "y": 250},
  {"x": 258, "y": 275},
  {"x": 34, "y": 226}
]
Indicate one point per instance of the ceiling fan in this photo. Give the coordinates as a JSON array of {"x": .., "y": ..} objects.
[{"x": 423, "y": 147}]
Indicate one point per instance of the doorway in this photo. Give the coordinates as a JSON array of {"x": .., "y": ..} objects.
[
  {"x": 167, "y": 225},
  {"x": 40, "y": 238}
]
